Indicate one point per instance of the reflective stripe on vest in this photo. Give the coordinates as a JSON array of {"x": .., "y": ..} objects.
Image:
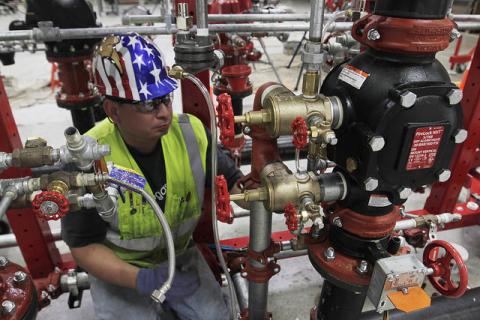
[{"x": 150, "y": 243}]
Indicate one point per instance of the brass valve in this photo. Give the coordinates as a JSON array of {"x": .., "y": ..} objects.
[
  {"x": 280, "y": 107},
  {"x": 281, "y": 187}
]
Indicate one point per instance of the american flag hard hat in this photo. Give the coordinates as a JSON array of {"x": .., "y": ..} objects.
[{"x": 131, "y": 67}]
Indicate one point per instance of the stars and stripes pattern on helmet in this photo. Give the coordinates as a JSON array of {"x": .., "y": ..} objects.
[{"x": 131, "y": 67}]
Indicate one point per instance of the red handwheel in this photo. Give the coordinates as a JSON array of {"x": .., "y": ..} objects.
[
  {"x": 226, "y": 121},
  {"x": 291, "y": 218},
  {"x": 50, "y": 205},
  {"x": 224, "y": 210},
  {"x": 299, "y": 133},
  {"x": 441, "y": 278}
]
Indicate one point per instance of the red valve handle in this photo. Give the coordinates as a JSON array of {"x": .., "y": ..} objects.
[
  {"x": 299, "y": 132},
  {"x": 49, "y": 205},
  {"x": 441, "y": 278},
  {"x": 224, "y": 210},
  {"x": 226, "y": 121},
  {"x": 291, "y": 217}
]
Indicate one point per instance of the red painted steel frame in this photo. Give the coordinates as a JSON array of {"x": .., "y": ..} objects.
[
  {"x": 443, "y": 197},
  {"x": 34, "y": 237}
]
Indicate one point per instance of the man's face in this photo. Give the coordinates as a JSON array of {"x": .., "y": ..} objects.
[{"x": 144, "y": 121}]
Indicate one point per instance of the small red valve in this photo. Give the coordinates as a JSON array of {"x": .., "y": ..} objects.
[
  {"x": 224, "y": 210},
  {"x": 50, "y": 205},
  {"x": 441, "y": 278},
  {"x": 299, "y": 132},
  {"x": 291, "y": 217},
  {"x": 226, "y": 122}
]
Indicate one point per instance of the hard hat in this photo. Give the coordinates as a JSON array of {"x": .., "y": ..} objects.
[{"x": 131, "y": 67}]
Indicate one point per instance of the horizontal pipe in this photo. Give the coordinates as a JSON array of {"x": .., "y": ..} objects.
[
  {"x": 290, "y": 254},
  {"x": 56, "y": 34},
  {"x": 259, "y": 17},
  {"x": 10, "y": 241},
  {"x": 252, "y": 17},
  {"x": 95, "y": 33},
  {"x": 466, "y": 17}
]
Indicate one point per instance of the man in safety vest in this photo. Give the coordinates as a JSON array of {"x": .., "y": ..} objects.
[{"x": 168, "y": 155}]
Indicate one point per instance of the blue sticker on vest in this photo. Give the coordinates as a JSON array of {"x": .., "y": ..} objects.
[{"x": 128, "y": 175}]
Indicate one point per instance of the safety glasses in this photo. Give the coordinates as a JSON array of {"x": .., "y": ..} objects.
[{"x": 148, "y": 106}]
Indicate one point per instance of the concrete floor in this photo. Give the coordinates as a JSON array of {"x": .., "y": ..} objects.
[{"x": 296, "y": 289}]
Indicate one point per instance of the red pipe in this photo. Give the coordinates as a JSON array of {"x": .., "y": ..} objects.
[{"x": 264, "y": 147}]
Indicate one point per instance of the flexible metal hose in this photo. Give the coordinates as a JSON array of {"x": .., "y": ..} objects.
[
  {"x": 213, "y": 127},
  {"x": 159, "y": 294}
]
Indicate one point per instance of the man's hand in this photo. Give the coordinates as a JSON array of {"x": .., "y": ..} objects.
[{"x": 185, "y": 282}]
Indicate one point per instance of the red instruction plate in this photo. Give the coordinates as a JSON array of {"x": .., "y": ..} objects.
[{"x": 425, "y": 144}]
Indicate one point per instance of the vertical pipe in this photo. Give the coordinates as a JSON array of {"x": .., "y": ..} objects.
[
  {"x": 317, "y": 10},
  {"x": 241, "y": 288},
  {"x": 202, "y": 14},
  {"x": 339, "y": 303},
  {"x": 260, "y": 238}
]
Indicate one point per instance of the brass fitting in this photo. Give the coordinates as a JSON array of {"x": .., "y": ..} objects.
[
  {"x": 311, "y": 84},
  {"x": 281, "y": 187},
  {"x": 280, "y": 107},
  {"x": 35, "y": 154},
  {"x": 58, "y": 186},
  {"x": 177, "y": 72}
]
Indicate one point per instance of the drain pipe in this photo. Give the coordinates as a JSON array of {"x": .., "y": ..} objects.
[{"x": 260, "y": 240}]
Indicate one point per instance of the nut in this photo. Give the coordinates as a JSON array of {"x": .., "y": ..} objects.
[
  {"x": 407, "y": 99},
  {"x": 373, "y": 35},
  {"x": 19, "y": 277},
  {"x": 460, "y": 136},
  {"x": 3, "y": 262},
  {"x": 370, "y": 184},
  {"x": 455, "y": 96},
  {"x": 337, "y": 222},
  {"x": 362, "y": 268},
  {"x": 376, "y": 143},
  {"x": 404, "y": 192},
  {"x": 8, "y": 307},
  {"x": 443, "y": 175},
  {"x": 455, "y": 34},
  {"x": 329, "y": 254}
]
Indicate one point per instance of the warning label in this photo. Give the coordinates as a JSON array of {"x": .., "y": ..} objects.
[
  {"x": 353, "y": 76},
  {"x": 426, "y": 142}
]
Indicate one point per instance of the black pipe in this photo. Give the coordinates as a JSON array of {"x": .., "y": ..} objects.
[
  {"x": 83, "y": 119},
  {"x": 412, "y": 9},
  {"x": 466, "y": 307},
  {"x": 339, "y": 303},
  {"x": 285, "y": 148}
]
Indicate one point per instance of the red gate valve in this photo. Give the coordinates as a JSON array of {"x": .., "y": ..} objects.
[
  {"x": 50, "y": 205},
  {"x": 222, "y": 199},
  {"x": 226, "y": 122},
  {"x": 299, "y": 132},
  {"x": 441, "y": 278},
  {"x": 291, "y": 217}
]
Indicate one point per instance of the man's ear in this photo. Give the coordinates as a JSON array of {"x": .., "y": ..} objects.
[{"x": 111, "y": 110}]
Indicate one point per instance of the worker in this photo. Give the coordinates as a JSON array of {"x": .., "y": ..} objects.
[{"x": 167, "y": 155}]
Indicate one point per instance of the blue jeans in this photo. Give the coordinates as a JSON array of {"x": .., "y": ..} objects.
[{"x": 118, "y": 303}]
